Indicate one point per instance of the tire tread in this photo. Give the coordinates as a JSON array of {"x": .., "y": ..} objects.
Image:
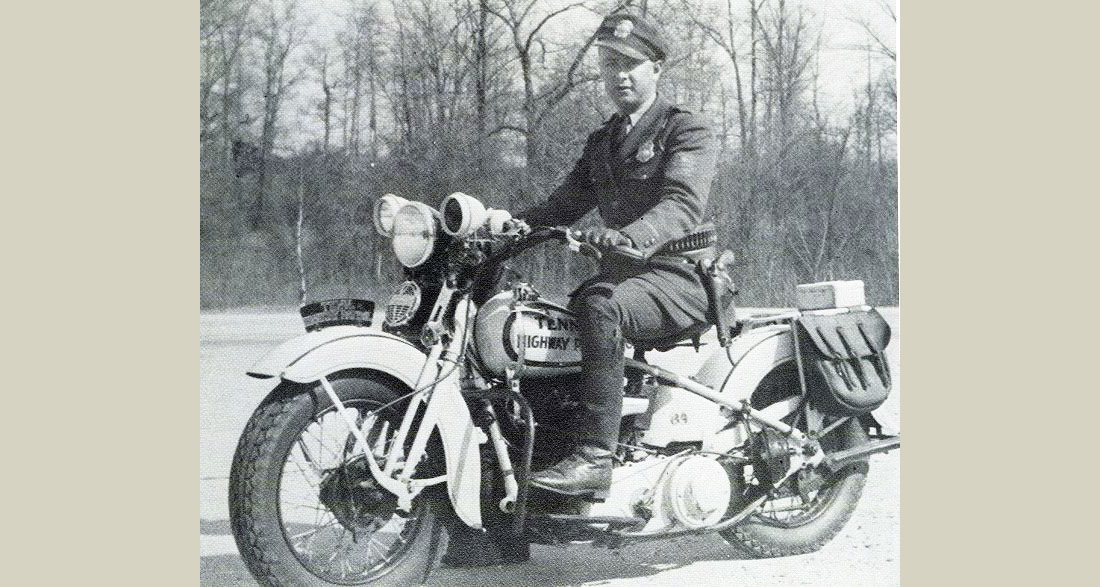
[
  {"x": 257, "y": 436},
  {"x": 748, "y": 539}
]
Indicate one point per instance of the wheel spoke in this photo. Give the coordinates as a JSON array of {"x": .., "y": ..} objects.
[
  {"x": 321, "y": 445},
  {"x": 327, "y": 519},
  {"x": 311, "y": 507},
  {"x": 305, "y": 454},
  {"x": 313, "y": 531},
  {"x": 316, "y": 477}
]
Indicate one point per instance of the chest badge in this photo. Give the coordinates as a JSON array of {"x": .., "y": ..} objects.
[
  {"x": 624, "y": 28},
  {"x": 645, "y": 152}
]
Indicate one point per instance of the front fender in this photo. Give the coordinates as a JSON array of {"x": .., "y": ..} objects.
[{"x": 306, "y": 358}]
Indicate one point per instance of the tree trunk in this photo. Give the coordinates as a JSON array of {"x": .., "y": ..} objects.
[
  {"x": 481, "y": 72},
  {"x": 326, "y": 111},
  {"x": 373, "y": 73},
  {"x": 754, "y": 16},
  {"x": 298, "y": 232}
]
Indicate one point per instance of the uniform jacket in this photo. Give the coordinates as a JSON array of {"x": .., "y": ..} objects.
[{"x": 653, "y": 188}]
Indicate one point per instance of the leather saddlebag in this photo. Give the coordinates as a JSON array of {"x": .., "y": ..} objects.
[{"x": 845, "y": 361}]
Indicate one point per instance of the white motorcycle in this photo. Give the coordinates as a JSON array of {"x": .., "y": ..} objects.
[{"x": 376, "y": 443}]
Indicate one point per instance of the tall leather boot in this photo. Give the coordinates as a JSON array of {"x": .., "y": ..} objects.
[{"x": 585, "y": 473}]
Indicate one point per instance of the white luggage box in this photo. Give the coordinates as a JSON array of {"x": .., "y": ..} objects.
[{"x": 830, "y": 294}]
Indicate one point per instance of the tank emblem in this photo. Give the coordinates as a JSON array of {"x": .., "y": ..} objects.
[
  {"x": 548, "y": 323},
  {"x": 560, "y": 343},
  {"x": 542, "y": 340}
]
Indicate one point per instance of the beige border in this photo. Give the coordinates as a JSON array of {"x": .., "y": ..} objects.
[
  {"x": 101, "y": 274},
  {"x": 983, "y": 88}
]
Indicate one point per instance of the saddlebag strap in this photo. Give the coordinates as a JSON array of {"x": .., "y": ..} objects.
[{"x": 846, "y": 356}]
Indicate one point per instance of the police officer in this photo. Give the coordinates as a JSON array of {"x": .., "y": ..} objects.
[{"x": 648, "y": 170}]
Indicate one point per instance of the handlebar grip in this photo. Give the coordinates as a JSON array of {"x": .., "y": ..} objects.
[{"x": 629, "y": 252}]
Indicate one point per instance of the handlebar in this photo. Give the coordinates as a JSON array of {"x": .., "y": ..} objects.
[
  {"x": 573, "y": 238},
  {"x": 536, "y": 235}
]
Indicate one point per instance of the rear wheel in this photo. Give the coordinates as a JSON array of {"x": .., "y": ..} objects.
[
  {"x": 810, "y": 507},
  {"x": 305, "y": 508}
]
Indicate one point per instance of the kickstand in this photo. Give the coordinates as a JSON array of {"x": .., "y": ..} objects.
[{"x": 433, "y": 550}]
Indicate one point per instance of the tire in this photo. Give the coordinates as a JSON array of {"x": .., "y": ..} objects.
[
  {"x": 830, "y": 508},
  {"x": 268, "y": 503}
]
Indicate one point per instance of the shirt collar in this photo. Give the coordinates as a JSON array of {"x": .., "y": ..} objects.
[{"x": 637, "y": 114}]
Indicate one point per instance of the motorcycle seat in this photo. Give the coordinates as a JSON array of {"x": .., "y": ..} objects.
[{"x": 692, "y": 333}]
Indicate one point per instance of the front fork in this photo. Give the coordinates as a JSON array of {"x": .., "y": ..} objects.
[{"x": 392, "y": 469}]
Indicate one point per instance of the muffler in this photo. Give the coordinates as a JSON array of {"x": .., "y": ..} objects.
[{"x": 840, "y": 459}]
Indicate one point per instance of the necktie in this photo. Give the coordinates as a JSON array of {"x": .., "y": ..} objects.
[{"x": 622, "y": 128}]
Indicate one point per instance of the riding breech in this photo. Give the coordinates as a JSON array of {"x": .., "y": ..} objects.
[{"x": 612, "y": 309}]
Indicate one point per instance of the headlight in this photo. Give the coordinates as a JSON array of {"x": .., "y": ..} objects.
[
  {"x": 462, "y": 214},
  {"x": 385, "y": 210},
  {"x": 414, "y": 233}
]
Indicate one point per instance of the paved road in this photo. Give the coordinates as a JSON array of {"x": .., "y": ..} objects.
[{"x": 867, "y": 551}]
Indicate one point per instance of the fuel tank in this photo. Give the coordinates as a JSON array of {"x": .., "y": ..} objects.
[{"x": 538, "y": 333}]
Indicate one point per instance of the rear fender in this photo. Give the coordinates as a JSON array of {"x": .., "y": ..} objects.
[
  {"x": 311, "y": 356},
  {"x": 677, "y": 415},
  {"x": 754, "y": 354}
]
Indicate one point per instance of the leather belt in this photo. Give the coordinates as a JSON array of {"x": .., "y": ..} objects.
[{"x": 693, "y": 243}]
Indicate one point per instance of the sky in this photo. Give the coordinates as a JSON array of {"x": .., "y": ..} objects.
[{"x": 842, "y": 61}]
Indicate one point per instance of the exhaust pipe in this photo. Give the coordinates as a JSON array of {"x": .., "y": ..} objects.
[{"x": 840, "y": 459}]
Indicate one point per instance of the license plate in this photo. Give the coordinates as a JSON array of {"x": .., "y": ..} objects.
[{"x": 337, "y": 312}]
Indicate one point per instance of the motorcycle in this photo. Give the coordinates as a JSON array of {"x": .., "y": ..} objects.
[{"x": 378, "y": 441}]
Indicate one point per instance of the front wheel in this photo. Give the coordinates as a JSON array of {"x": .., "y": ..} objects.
[{"x": 304, "y": 507}]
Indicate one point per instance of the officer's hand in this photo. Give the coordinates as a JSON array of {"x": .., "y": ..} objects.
[
  {"x": 517, "y": 226},
  {"x": 607, "y": 238}
]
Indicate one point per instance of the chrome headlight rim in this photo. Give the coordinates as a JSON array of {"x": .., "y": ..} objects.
[
  {"x": 428, "y": 218},
  {"x": 383, "y": 222},
  {"x": 462, "y": 214}
]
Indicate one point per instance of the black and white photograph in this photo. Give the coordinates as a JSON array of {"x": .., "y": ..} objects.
[{"x": 549, "y": 292}]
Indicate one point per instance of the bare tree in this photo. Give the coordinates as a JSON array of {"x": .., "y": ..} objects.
[
  {"x": 360, "y": 48},
  {"x": 877, "y": 101},
  {"x": 824, "y": 222},
  {"x": 525, "y": 27},
  {"x": 322, "y": 65},
  {"x": 720, "y": 27},
  {"x": 789, "y": 51},
  {"x": 224, "y": 30},
  {"x": 278, "y": 32}
]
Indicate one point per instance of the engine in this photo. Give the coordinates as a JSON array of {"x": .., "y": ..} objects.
[{"x": 687, "y": 491}]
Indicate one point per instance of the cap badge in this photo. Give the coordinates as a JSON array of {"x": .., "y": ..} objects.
[
  {"x": 624, "y": 28},
  {"x": 645, "y": 152}
]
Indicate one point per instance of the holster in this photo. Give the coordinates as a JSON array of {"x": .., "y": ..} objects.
[{"x": 714, "y": 274}]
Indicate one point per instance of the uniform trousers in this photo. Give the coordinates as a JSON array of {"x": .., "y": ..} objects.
[{"x": 617, "y": 306}]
